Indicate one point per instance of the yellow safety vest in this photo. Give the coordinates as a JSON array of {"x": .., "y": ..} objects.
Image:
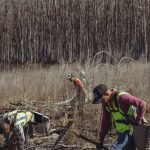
[
  {"x": 20, "y": 117},
  {"x": 119, "y": 117}
]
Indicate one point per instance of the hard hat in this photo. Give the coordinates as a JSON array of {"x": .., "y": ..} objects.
[{"x": 70, "y": 75}]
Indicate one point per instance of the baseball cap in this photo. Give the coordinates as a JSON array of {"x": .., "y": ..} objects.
[{"x": 98, "y": 93}]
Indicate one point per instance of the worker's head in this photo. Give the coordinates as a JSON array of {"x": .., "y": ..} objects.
[
  {"x": 70, "y": 77},
  {"x": 6, "y": 127},
  {"x": 7, "y": 124},
  {"x": 101, "y": 94}
]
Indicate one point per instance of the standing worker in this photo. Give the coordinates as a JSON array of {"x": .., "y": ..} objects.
[
  {"x": 124, "y": 109},
  {"x": 76, "y": 111},
  {"x": 79, "y": 93},
  {"x": 77, "y": 100}
]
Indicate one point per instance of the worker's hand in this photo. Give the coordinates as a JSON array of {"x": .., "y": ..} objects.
[
  {"x": 86, "y": 100},
  {"x": 7, "y": 128},
  {"x": 139, "y": 121},
  {"x": 99, "y": 145},
  {"x": 144, "y": 121}
]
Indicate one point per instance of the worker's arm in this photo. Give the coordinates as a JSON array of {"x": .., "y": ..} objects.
[
  {"x": 77, "y": 90},
  {"x": 128, "y": 99},
  {"x": 106, "y": 124},
  {"x": 6, "y": 140},
  {"x": 19, "y": 132}
]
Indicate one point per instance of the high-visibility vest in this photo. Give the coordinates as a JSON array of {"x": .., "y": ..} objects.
[
  {"x": 119, "y": 117},
  {"x": 20, "y": 117}
]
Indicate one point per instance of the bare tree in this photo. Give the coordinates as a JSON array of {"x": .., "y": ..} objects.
[{"x": 56, "y": 31}]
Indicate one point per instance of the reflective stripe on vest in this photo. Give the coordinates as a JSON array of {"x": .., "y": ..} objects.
[
  {"x": 10, "y": 113},
  {"x": 23, "y": 118},
  {"x": 119, "y": 117}
]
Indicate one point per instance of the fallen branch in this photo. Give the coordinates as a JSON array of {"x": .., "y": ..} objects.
[
  {"x": 50, "y": 145},
  {"x": 67, "y": 146},
  {"x": 77, "y": 133}
]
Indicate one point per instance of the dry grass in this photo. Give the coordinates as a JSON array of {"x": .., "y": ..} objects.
[{"x": 50, "y": 84}]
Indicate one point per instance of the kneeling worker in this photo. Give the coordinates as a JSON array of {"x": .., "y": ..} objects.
[{"x": 16, "y": 126}]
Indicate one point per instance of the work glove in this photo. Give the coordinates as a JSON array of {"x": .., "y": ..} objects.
[
  {"x": 144, "y": 121},
  {"x": 139, "y": 121},
  {"x": 99, "y": 145},
  {"x": 86, "y": 100}
]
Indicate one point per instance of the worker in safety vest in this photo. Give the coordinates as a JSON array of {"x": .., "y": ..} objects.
[
  {"x": 15, "y": 125},
  {"x": 123, "y": 110}
]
